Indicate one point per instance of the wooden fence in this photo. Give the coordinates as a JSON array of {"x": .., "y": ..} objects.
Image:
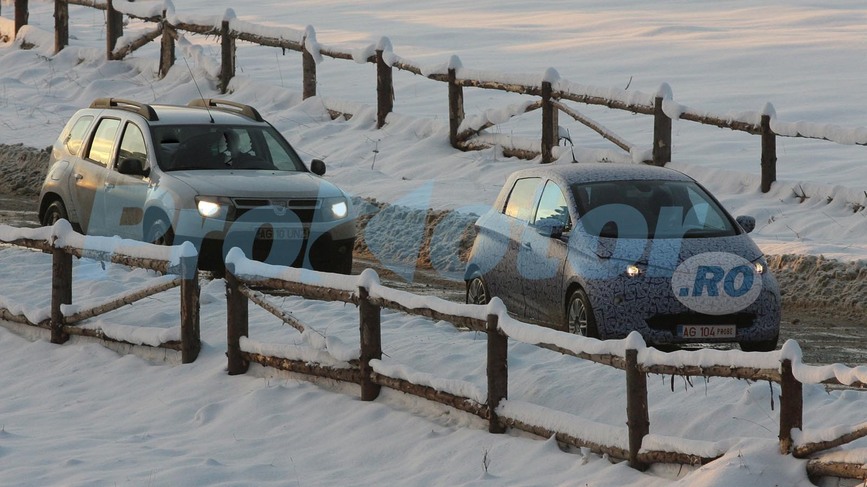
[
  {"x": 63, "y": 244},
  {"x": 248, "y": 281},
  {"x": 551, "y": 91}
]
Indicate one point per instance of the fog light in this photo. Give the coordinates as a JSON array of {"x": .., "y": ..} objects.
[{"x": 632, "y": 270}]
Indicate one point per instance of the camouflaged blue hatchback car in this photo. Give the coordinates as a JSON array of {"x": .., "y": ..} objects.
[{"x": 605, "y": 249}]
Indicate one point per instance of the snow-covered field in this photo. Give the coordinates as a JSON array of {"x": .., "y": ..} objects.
[{"x": 80, "y": 415}]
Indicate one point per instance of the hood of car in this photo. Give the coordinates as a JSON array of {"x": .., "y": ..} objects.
[
  {"x": 670, "y": 252},
  {"x": 256, "y": 183}
]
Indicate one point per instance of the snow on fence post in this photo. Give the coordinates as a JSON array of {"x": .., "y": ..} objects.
[
  {"x": 456, "y": 107},
  {"x": 371, "y": 343},
  {"x": 167, "y": 46},
  {"x": 498, "y": 372},
  {"x": 113, "y": 29},
  {"x": 791, "y": 406},
  {"x": 769, "y": 154},
  {"x": 237, "y": 324},
  {"x": 637, "y": 419},
  {"x": 61, "y": 25},
  {"x": 227, "y": 57},
  {"x": 661, "y": 134},
  {"x": 191, "y": 341},
  {"x": 549, "y": 123},
  {"x": 21, "y": 15},
  {"x": 384, "y": 89},
  {"x": 61, "y": 291}
]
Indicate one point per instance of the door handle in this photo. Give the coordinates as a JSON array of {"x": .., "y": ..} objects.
[
  {"x": 78, "y": 177},
  {"x": 109, "y": 186},
  {"x": 527, "y": 245}
]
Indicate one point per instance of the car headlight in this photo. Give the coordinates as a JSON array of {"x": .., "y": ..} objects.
[
  {"x": 333, "y": 209},
  {"x": 211, "y": 207},
  {"x": 760, "y": 267},
  {"x": 633, "y": 270}
]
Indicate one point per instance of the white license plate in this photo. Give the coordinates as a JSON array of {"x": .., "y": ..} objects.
[
  {"x": 292, "y": 233},
  {"x": 706, "y": 331}
]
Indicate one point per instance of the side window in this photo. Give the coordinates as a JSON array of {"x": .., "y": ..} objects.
[
  {"x": 102, "y": 146},
  {"x": 132, "y": 145},
  {"x": 77, "y": 133},
  {"x": 552, "y": 206},
  {"x": 522, "y": 198}
]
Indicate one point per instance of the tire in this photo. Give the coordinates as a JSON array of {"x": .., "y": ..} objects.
[
  {"x": 159, "y": 232},
  {"x": 760, "y": 346},
  {"x": 580, "y": 319},
  {"x": 477, "y": 291},
  {"x": 55, "y": 211}
]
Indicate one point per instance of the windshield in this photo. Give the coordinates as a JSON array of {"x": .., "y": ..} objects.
[
  {"x": 190, "y": 147},
  {"x": 650, "y": 209}
]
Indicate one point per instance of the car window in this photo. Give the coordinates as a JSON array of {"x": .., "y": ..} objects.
[
  {"x": 522, "y": 198},
  {"x": 102, "y": 146},
  {"x": 666, "y": 209},
  {"x": 132, "y": 145},
  {"x": 553, "y": 207},
  {"x": 77, "y": 133},
  {"x": 218, "y": 147}
]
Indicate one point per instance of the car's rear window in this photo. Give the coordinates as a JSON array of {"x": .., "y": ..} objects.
[
  {"x": 650, "y": 209},
  {"x": 192, "y": 147}
]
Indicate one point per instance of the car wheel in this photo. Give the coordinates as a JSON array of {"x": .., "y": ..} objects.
[
  {"x": 760, "y": 346},
  {"x": 579, "y": 315},
  {"x": 160, "y": 233},
  {"x": 477, "y": 291},
  {"x": 55, "y": 211}
]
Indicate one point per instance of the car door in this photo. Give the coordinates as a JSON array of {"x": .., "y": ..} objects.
[
  {"x": 504, "y": 278},
  {"x": 88, "y": 175},
  {"x": 542, "y": 256},
  {"x": 125, "y": 194}
]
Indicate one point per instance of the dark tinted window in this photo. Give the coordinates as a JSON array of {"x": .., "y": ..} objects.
[{"x": 522, "y": 198}]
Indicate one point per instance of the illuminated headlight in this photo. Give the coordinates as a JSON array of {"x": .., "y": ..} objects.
[
  {"x": 632, "y": 270},
  {"x": 211, "y": 207},
  {"x": 760, "y": 267},
  {"x": 339, "y": 209}
]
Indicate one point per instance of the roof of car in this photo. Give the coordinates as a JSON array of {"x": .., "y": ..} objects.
[
  {"x": 595, "y": 172},
  {"x": 198, "y": 111}
]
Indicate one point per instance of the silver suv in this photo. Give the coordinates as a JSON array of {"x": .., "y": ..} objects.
[{"x": 213, "y": 173}]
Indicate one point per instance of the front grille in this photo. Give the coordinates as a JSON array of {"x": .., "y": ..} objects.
[
  {"x": 669, "y": 322},
  {"x": 304, "y": 209}
]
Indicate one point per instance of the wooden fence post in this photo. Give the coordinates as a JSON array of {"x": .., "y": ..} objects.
[
  {"x": 661, "y": 135},
  {"x": 237, "y": 324},
  {"x": 21, "y": 15},
  {"x": 549, "y": 124},
  {"x": 61, "y": 25},
  {"x": 61, "y": 291},
  {"x": 227, "y": 58},
  {"x": 167, "y": 47},
  {"x": 384, "y": 90},
  {"x": 371, "y": 343},
  {"x": 498, "y": 372},
  {"x": 456, "y": 107},
  {"x": 308, "y": 72},
  {"x": 191, "y": 342},
  {"x": 637, "y": 418},
  {"x": 791, "y": 406},
  {"x": 769, "y": 154},
  {"x": 113, "y": 29}
]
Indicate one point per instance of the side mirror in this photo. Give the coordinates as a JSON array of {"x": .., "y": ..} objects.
[
  {"x": 748, "y": 223},
  {"x": 550, "y": 227},
  {"x": 317, "y": 167},
  {"x": 132, "y": 167}
]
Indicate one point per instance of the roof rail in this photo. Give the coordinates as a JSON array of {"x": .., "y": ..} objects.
[
  {"x": 227, "y": 105},
  {"x": 142, "y": 109}
]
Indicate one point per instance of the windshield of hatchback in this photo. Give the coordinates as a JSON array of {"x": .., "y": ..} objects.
[
  {"x": 650, "y": 209},
  {"x": 191, "y": 147}
]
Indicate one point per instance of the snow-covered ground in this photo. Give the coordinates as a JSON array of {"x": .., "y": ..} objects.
[{"x": 80, "y": 415}]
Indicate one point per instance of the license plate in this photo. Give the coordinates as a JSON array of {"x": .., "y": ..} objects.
[
  {"x": 707, "y": 331},
  {"x": 291, "y": 233}
]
